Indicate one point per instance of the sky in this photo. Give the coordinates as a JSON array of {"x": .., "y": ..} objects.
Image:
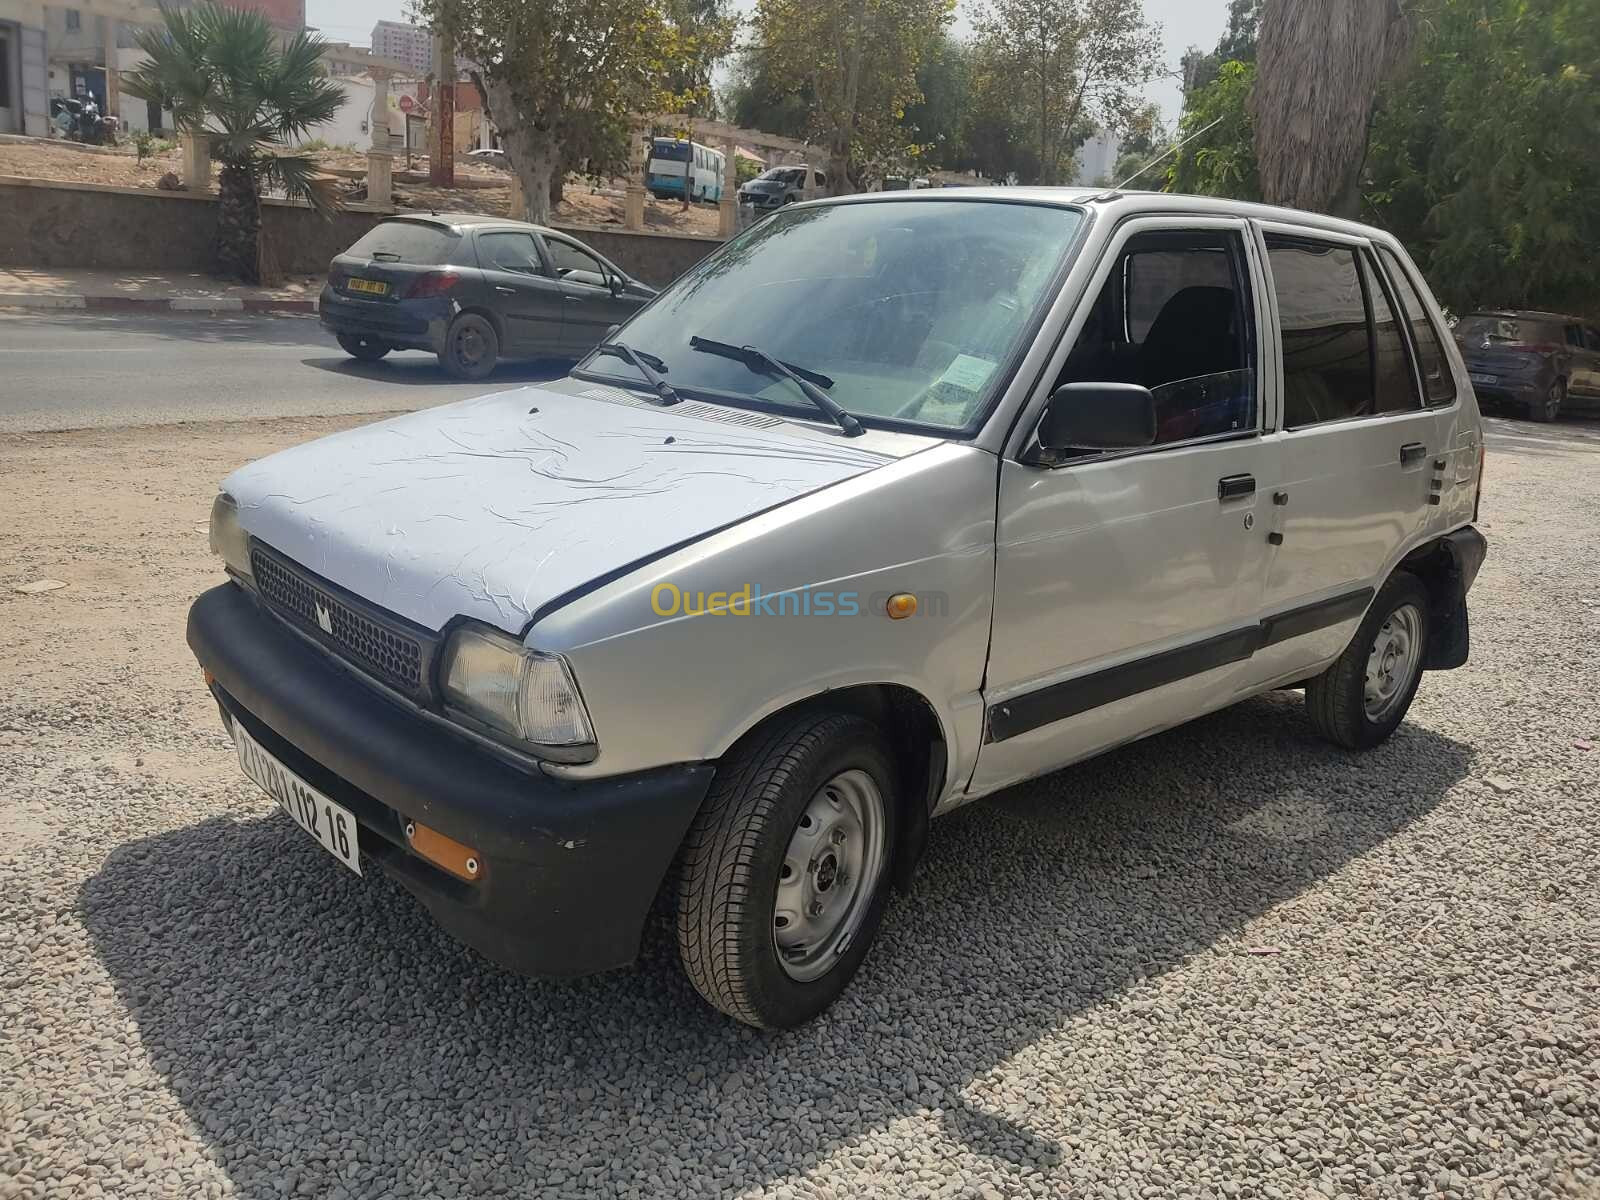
[{"x": 1185, "y": 22}]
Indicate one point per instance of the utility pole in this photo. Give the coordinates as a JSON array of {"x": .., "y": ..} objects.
[{"x": 442, "y": 143}]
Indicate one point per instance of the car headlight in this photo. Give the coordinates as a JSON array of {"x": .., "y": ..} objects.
[
  {"x": 526, "y": 694},
  {"x": 228, "y": 538}
]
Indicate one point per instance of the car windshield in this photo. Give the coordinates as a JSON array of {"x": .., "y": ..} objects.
[
  {"x": 1491, "y": 327},
  {"x": 407, "y": 242},
  {"x": 911, "y": 308}
]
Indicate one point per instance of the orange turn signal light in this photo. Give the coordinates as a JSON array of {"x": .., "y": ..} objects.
[
  {"x": 445, "y": 853},
  {"x": 900, "y": 606}
]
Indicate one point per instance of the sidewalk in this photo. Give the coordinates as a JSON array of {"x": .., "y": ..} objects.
[{"x": 151, "y": 291}]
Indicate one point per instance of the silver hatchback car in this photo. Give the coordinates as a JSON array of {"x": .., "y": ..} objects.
[{"x": 892, "y": 502}]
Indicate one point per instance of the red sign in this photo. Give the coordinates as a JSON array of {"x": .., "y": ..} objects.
[{"x": 407, "y": 104}]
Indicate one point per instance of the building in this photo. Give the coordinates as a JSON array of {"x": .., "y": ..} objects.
[
  {"x": 1097, "y": 159},
  {"x": 410, "y": 44}
]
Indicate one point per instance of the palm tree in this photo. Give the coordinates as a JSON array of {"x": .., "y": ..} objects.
[
  {"x": 224, "y": 74},
  {"x": 1319, "y": 66}
]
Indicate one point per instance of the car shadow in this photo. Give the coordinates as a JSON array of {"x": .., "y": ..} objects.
[
  {"x": 320, "y": 1031},
  {"x": 423, "y": 369}
]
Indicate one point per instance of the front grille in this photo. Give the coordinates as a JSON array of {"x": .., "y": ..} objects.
[{"x": 386, "y": 651}]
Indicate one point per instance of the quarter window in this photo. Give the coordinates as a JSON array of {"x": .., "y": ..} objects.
[
  {"x": 1328, "y": 361},
  {"x": 1437, "y": 379},
  {"x": 1174, "y": 316},
  {"x": 1393, "y": 383}
]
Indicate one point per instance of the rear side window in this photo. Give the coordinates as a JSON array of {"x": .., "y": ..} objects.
[
  {"x": 1437, "y": 378},
  {"x": 407, "y": 242},
  {"x": 1322, "y": 321},
  {"x": 513, "y": 252}
]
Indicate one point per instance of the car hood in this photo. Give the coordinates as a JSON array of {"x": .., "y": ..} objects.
[
  {"x": 493, "y": 507},
  {"x": 763, "y": 185}
]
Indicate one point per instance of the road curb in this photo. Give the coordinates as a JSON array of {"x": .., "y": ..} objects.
[{"x": 212, "y": 304}]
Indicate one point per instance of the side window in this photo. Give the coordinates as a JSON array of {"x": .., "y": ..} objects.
[
  {"x": 570, "y": 259},
  {"x": 1575, "y": 336},
  {"x": 513, "y": 252},
  {"x": 1175, "y": 316},
  {"x": 1591, "y": 337},
  {"x": 1322, "y": 322},
  {"x": 1437, "y": 378},
  {"x": 1393, "y": 383}
]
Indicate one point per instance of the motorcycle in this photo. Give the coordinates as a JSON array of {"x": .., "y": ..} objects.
[{"x": 81, "y": 121}]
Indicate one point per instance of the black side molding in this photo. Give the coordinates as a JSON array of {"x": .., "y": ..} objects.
[{"x": 1058, "y": 701}]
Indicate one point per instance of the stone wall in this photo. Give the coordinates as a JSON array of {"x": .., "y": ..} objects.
[{"x": 47, "y": 224}]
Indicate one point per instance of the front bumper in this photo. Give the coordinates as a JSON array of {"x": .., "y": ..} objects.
[
  {"x": 570, "y": 869},
  {"x": 761, "y": 199}
]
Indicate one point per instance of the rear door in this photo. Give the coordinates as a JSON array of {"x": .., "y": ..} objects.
[
  {"x": 591, "y": 306},
  {"x": 1357, "y": 452},
  {"x": 1591, "y": 353},
  {"x": 524, "y": 293}
]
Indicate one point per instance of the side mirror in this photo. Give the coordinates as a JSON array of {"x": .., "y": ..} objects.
[
  {"x": 617, "y": 284},
  {"x": 611, "y": 332},
  {"x": 1098, "y": 416}
]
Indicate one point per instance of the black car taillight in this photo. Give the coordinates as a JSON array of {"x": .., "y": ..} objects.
[{"x": 434, "y": 283}]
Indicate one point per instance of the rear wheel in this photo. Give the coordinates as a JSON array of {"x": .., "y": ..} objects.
[
  {"x": 471, "y": 347},
  {"x": 1359, "y": 701},
  {"x": 365, "y": 348},
  {"x": 1548, "y": 407},
  {"x": 785, "y": 869}
]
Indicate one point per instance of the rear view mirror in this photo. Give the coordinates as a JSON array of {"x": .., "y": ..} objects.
[{"x": 1098, "y": 416}]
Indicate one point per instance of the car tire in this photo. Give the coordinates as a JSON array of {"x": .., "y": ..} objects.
[
  {"x": 1360, "y": 700},
  {"x": 471, "y": 347},
  {"x": 1548, "y": 407},
  {"x": 793, "y": 842},
  {"x": 365, "y": 348}
]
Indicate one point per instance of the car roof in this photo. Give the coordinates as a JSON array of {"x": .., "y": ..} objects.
[
  {"x": 1120, "y": 203},
  {"x": 459, "y": 222}
]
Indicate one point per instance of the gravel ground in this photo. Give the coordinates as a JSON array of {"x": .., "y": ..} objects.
[{"x": 1228, "y": 961}]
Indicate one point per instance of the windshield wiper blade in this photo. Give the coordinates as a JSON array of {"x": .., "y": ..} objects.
[
  {"x": 641, "y": 362},
  {"x": 762, "y": 362}
]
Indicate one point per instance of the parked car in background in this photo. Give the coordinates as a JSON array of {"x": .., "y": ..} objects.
[
  {"x": 474, "y": 290},
  {"x": 1539, "y": 361},
  {"x": 777, "y": 186},
  {"x": 890, "y": 503}
]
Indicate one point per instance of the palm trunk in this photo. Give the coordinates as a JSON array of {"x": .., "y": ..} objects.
[{"x": 238, "y": 244}]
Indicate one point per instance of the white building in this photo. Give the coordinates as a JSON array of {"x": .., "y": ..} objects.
[
  {"x": 409, "y": 44},
  {"x": 1097, "y": 159}
]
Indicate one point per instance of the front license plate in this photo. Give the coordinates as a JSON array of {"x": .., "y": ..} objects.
[
  {"x": 331, "y": 824},
  {"x": 371, "y": 287},
  {"x": 1485, "y": 378}
]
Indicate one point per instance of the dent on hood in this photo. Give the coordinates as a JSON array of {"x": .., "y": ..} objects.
[{"x": 492, "y": 507}]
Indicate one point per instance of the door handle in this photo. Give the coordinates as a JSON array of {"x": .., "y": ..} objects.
[
  {"x": 506, "y": 290},
  {"x": 1232, "y": 487},
  {"x": 1411, "y": 452},
  {"x": 574, "y": 299}
]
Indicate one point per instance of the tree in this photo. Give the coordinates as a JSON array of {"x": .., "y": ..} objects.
[
  {"x": 934, "y": 121},
  {"x": 1319, "y": 66},
  {"x": 1222, "y": 160},
  {"x": 1069, "y": 63},
  {"x": 758, "y": 95},
  {"x": 223, "y": 73},
  {"x": 1144, "y": 137},
  {"x": 561, "y": 79},
  {"x": 1237, "y": 44},
  {"x": 1483, "y": 156},
  {"x": 859, "y": 59}
]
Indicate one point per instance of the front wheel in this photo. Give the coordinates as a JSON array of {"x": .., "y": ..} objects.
[
  {"x": 1363, "y": 697},
  {"x": 785, "y": 869},
  {"x": 365, "y": 348},
  {"x": 1548, "y": 406},
  {"x": 471, "y": 347}
]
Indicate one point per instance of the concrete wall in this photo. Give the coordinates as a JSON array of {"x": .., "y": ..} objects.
[{"x": 49, "y": 224}]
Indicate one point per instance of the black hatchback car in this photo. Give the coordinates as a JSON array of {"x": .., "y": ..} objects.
[
  {"x": 473, "y": 290},
  {"x": 1536, "y": 360}
]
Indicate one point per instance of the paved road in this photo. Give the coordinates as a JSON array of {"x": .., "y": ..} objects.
[{"x": 66, "y": 370}]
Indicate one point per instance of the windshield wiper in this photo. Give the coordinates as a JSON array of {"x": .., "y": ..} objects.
[
  {"x": 807, "y": 381},
  {"x": 641, "y": 362}
]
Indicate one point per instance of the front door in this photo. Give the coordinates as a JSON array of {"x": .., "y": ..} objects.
[
  {"x": 528, "y": 300},
  {"x": 1358, "y": 452},
  {"x": 1126, "y": 583},
  {"x": 591, "y": 306}
]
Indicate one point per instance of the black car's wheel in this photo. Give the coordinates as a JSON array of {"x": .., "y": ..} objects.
[
  {"x": 365, "y": 348},
  {"x": 1548, "y": 406},
  {"x": 1363, "y": 697},
  {"x": 471, "y": 347},
  {"x": 785, "y": 869}
]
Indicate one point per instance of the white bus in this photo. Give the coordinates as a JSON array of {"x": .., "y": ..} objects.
[{"x": 673, "y": 161}]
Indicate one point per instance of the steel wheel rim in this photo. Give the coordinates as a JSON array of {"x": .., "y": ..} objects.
[
  {"x": 469, "y": 346},
  {"x": 1393, "y": 660},
  {"x": 1552, "y": 403},
  {"x": 829, "y": 875}
]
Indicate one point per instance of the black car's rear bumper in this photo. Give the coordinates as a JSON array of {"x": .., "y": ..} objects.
[
  {"x": 570, "y": 870},
  {"x": 406, "y": 324}
]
